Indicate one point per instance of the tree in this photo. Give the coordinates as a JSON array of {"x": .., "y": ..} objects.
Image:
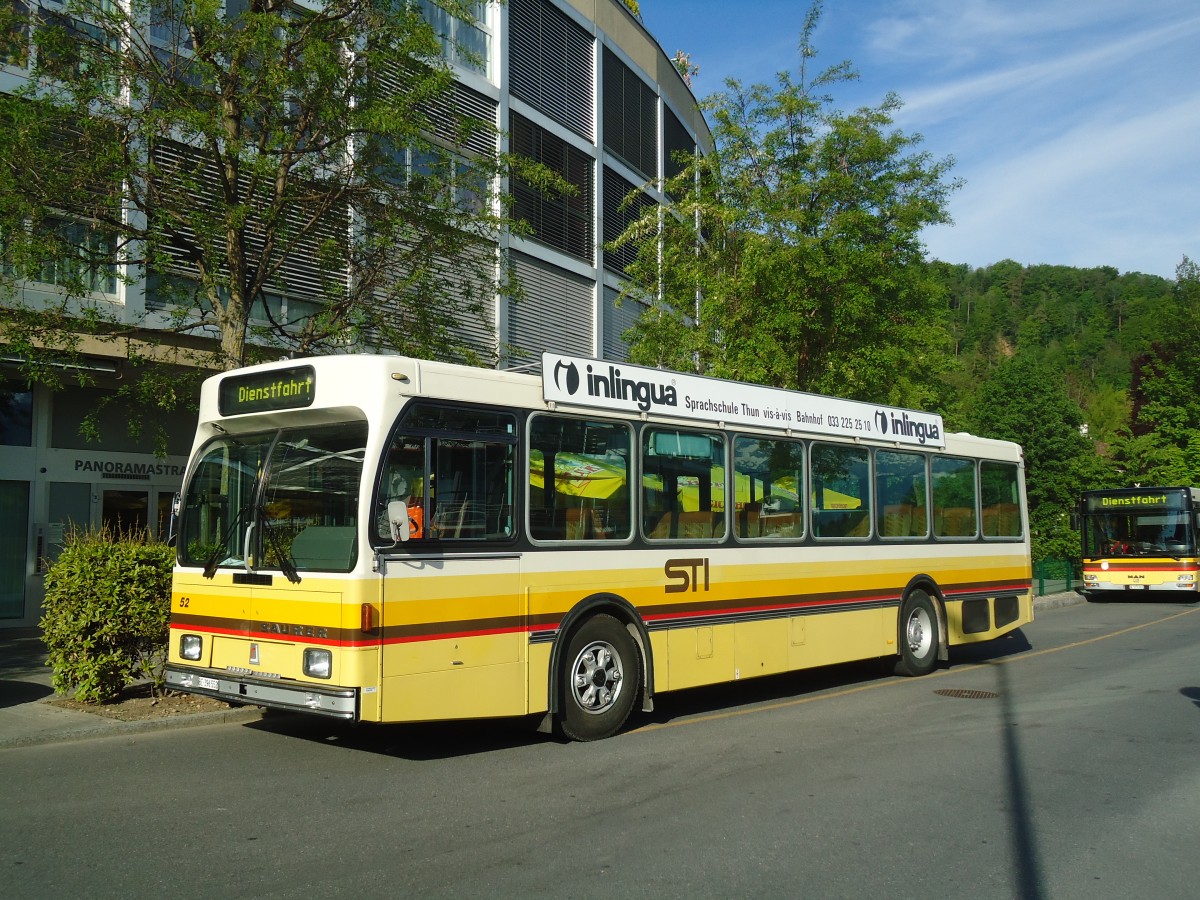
[
  {"x": 286, "y": 179},
  {"x": 790, "y": 254},
  {"x": 1164, "y": 442},
  {"x": 1025, "y": 401}
]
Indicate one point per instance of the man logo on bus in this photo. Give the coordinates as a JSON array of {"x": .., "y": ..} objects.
[
  {"x": 572, "y": 377},
  {"x": 881, "y": 421}
]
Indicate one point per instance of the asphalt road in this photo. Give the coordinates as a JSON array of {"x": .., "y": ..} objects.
[{"x": 1060, "y": 763}]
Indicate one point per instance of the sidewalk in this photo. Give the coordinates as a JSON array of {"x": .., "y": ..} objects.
[{"x": 26, "y": 719}]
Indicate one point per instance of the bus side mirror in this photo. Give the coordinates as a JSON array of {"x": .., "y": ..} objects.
[
  {"x": 173, "y": 522},
  {"x": 397, "y": 511},
  {"x": 1075, "y": 523}
]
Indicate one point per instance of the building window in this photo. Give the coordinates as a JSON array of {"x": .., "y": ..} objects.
[
  {"x": 619, "y": 215},
  {"x": 75, "y": 45},
  {"x": 551, "y": 64},
  {"x": 14, "y": 40},
  {"x": 556, "y": 313},
  {"x": 630, "y": 117},
  {"x": 16, "y": 416},
  {"x": 677, "y": 144},
  {"x": 83, "y": 256},
  {"x": 558, "y": 218},
  {"x": 467, "y": 44}
]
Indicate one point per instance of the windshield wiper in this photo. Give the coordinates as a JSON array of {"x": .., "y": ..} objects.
[
  {"x": 285, "y": 559},
  {"x": 210, "y": 565}
]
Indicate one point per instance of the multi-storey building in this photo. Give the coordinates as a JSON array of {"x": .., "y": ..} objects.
[{"x": 578, "y": 85}]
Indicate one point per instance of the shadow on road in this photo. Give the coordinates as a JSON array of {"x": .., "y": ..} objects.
[
  {"x": 1009, "y": 645},
  {"x": 414, "y": 741},
  {"x": 1192, "y": 693},
  {"x": 14, "y": 693},
  {"x": 444, "y": 740},
  {"x": 1027, "y": 875}
]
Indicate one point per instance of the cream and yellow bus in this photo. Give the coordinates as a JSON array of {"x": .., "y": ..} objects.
[
  {"x": 385, "y": 539},
  {"x": 1140, "y": 543}
]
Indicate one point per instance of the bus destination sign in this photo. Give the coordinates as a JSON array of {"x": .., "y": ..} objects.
[
  {"x": 292, "y": 388},
  {"x": 1133, "y": 502},
  {"x": 635, "y": 389}
]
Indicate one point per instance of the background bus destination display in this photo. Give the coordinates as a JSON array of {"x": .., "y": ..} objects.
[
  {"x": 1133, "y": 501},
  {"x": 261, "y": 392},
  {"x": 626, "y": 388}
]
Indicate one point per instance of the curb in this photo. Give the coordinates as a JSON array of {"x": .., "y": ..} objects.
[
  {"x": 1057, "y": 601},
  {"x": 105, "y": 727}
]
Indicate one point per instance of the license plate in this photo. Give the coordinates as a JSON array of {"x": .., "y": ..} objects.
[{"x": 209, "y": 684}]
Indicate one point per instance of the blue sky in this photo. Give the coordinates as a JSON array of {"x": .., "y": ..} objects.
[{"x": 1074, "y": 125}]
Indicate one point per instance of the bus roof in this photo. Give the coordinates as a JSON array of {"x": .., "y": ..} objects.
[{"x": 368, "y": 386}]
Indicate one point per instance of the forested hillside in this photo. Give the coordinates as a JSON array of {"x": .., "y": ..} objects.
[{"x": 1095, "y": 373}]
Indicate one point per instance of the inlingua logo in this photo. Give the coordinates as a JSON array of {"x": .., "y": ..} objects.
[
  {"x": 572, "y": 377},
  {"x": 645, "y": 394},
  {"x": 881, "y": 421},
  {"x": 922, "y": 431}
]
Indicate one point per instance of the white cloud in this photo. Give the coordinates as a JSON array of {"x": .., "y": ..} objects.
[
  {"x": 941, "y": 100},
  {"x": 1120, "y": 194}
]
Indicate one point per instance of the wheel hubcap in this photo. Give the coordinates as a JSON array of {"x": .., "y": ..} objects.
[
  {"x": 596, "y": 677},
  {"x": 920, "y": 634}
]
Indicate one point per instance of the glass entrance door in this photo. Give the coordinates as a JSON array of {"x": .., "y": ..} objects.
[
  {"x": 14, "y": 547},
  {"x": 125, "y": 511}
]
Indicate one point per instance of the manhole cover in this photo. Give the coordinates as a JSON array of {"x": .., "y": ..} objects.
[{"x": 963, "y": 694}]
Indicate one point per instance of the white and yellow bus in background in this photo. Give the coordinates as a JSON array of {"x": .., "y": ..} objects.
[
  {"x": 1140, "y": 543},
  {"x": 385, "y": 539}
]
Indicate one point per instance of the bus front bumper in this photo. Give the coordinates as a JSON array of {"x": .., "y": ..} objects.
[{"x": 337, "y": 702}]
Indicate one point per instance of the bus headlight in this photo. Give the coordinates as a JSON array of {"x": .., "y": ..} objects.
[
  {"x": 190, "y": 646},
  {"x": 1187, "y": 578},
  {"x": 318, "y": 663}
]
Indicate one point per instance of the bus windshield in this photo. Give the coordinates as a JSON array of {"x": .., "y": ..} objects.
[
  {"x": 283, "y": 500},
  {"x": 1148, "y": 533}
]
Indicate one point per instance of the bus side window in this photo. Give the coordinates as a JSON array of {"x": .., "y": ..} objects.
[
  {"x": 840, "y": 488},
  {"x": 402, "y": 479},
  {"x": 578, "y": 479},
  {"x": 954, "y": 497}
]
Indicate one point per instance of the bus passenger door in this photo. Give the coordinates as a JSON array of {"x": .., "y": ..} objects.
[{"x": 453, "y": 638}]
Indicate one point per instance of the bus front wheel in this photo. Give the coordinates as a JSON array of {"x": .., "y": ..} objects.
[
  {"x": 918, "y": 635},
  {"x": 600, "y": 679}
]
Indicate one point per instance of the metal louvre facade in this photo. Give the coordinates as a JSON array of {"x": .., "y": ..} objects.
[
  {"x": 593, "y": 98},
  {"x": 551, "y": 64},
  {"x": 558, "y": 219},
  {"x": 630, "y": 117},
  {"x": 300, "y": 276},
  {"x": 556, "y": 312},
  {"x": 623, "y": 205},
  {"x": 620, "y": 314}
]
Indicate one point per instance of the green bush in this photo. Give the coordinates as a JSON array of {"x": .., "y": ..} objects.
[{"x": 108, "y": 599}]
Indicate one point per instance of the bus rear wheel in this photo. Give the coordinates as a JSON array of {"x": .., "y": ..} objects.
[
  {"x": 919, "y": 639},
  {"x": 600, "y": 678}
]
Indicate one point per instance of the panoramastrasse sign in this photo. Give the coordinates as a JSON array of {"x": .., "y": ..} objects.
[{"x": 618, "y": 387}]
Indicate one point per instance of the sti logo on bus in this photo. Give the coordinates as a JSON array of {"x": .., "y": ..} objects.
[
  {"x": 902, "y": 424},
  {"x": 686, "y": 574},
  {"x": 610, "y": 385}
]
